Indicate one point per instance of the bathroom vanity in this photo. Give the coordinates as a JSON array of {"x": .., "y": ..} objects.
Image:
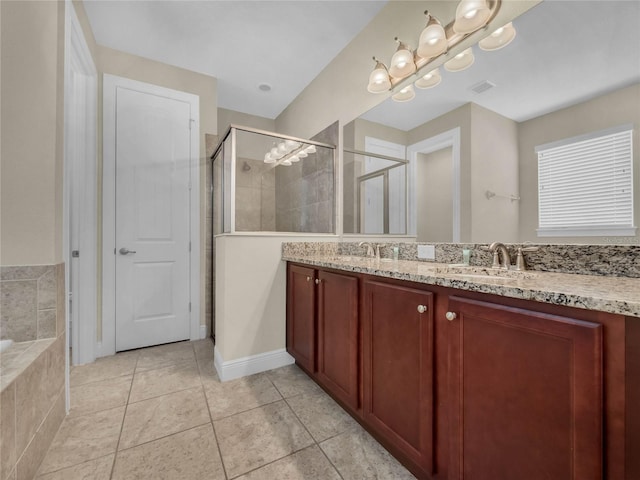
[{"x": 471, "y": 373}]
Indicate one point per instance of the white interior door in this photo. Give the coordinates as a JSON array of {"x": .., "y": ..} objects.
[{"x": 153, "y": 149}]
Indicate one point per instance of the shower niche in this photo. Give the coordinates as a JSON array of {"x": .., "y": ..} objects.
[{"x": 266, "y": 182}]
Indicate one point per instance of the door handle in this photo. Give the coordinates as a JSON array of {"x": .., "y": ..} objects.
[{"x": 126, "y": 251}]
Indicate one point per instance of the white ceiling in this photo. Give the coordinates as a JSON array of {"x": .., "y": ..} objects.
[
  {"x": 284, "y": 44},
  {"x": 564, "y": 53}
]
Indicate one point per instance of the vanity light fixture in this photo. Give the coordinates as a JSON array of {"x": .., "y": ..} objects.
[
  {"x": 434, "y": 42},
  {"x": 461, "y": 61},
  {"x": 471, "y": 15},
  {"x": 288, "y": 152},
  {"x": 501, "y": 37},
  {"x": 404, "y": 95},
  {"x": 429, "y": 80},
  {"x": 402, "y": 64},
  {"x": 433, "y": 39}
]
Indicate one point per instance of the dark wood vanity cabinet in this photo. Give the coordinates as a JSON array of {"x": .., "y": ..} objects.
[
  {"x": 338, "y": 335},
  {"x": 301, "y": 315},
  {"x": 397, "y": 346},
  {"x": 526, "y": 394},
  {"x": 322, "y": 328},
  {"x": 504, "y": 389}
]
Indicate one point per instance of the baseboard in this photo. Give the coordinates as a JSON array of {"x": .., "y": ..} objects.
[{"x": 242, "y": 367}]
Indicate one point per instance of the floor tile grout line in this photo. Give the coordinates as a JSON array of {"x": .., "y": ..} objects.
[
  {"x": 314, "y": 438},
  {"x": 215, "y": 435},
  {"x": 162, "y": 437},
  {"x": 115, "y": 457},
  {"x": 71, "y": 466}
]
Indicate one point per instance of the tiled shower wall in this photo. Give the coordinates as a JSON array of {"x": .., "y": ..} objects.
[
  {"x": 255, "y": 196},
  {"x": 28, "y": 301},
  {"x": 305, "y": 190}
]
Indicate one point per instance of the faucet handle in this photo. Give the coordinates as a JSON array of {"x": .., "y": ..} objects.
[
  {"x": 496, "y": 255},
  {"x": 521, "y": 264}
]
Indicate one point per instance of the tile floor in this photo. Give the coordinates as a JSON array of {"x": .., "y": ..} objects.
[{"x": 162, "y": 413}]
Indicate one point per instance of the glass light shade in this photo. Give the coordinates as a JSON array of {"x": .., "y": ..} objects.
[
  {"x": 429, "y": 80},
  {"x": 274, "y": 153},
  {"x": 286, "y": 163},
  {"x": 302, "y": 154},
  {"x": 471, "y": 15},
  {"x": 268, "y": 158},
  {"x": 294, "y": 158},
  {"x": 461, "y": 61},
  {"x": 291, "y": 145},
  {"x": 379, "y": 79},
  {"x": 404, "y": 95},
  {"x": 433, "y": 40},
  {"x": 402, "y": 63},
  {"x": 310, "y": 149},
  {"x": 502, "y": 37},
  {"x": 282, "y": 149}
]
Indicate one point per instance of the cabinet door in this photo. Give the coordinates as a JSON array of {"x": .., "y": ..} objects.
[
  {"x": 338, "y": 335},
  {"x": 301, "y": 335},
  {"x": 526, "y": 393},
  {"x": 398, "y": 368}
]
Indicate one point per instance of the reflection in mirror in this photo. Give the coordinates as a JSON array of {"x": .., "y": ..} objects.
[{"x": 540, "y": 90}]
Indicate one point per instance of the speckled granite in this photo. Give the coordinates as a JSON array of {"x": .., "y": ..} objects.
[
  {"x": 606, "y": 260},
  {"x": 593, "y": 292}
]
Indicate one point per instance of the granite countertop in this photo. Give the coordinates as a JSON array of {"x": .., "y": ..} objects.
[{"x": 619, "y": 295}]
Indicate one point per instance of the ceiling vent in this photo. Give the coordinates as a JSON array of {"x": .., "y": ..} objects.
[{"x": 482, "y": 87}]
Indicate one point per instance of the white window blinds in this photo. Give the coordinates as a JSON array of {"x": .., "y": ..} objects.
[{"x": 585, "y": 185}]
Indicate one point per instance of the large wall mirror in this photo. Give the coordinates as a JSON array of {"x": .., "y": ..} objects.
[{"x": 458, "y": 163}]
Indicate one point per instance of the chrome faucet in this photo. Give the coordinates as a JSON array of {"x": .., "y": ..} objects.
[
  {"x": 369, "y": 248},
  {"x": 498, "y": 249}
]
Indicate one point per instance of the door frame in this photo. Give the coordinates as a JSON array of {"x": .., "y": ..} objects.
[
  {"x": 450, "y": 138},
  {"x": 107, "y": 344},
  {"x": 81, "y": 178}
]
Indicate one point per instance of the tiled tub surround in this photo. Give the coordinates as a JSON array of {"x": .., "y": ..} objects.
[
  {"x": 28, "y": 301},
  {"x": 32, "y": 401},
  {"x": 613, "y": 294}
]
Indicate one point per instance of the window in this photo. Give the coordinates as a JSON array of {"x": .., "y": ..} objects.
[{"x": 585, "y": 185}]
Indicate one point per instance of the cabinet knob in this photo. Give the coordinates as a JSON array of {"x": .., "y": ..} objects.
[
  {"x": 308, "y": 279},
  {"x": 451, "y": 316},
  {"x": 317, "y": 281},
  {"x": 422, "y": 308}
]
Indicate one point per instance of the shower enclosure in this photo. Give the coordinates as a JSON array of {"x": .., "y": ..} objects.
[
  {"x": 265, "y": 182},
  {"x": 269, "y": 185}
]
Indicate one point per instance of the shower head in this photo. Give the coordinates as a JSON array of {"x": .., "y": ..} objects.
[{"x": 246, "y": 167}]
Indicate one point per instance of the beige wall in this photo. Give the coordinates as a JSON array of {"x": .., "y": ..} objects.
[
  {"x": 227, "y": 117},
  {"x": 434, "y": 200},
  {"x": 615, "y": 108},
  {"x": 250, "y": 308},
  {"x": 494, "y": 167},
  {"x": 32, "y": 52}
]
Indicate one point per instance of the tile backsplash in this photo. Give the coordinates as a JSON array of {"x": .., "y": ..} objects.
[
  {"x": 29, "y": 299},
  {"x": 609, "y": 260}
]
